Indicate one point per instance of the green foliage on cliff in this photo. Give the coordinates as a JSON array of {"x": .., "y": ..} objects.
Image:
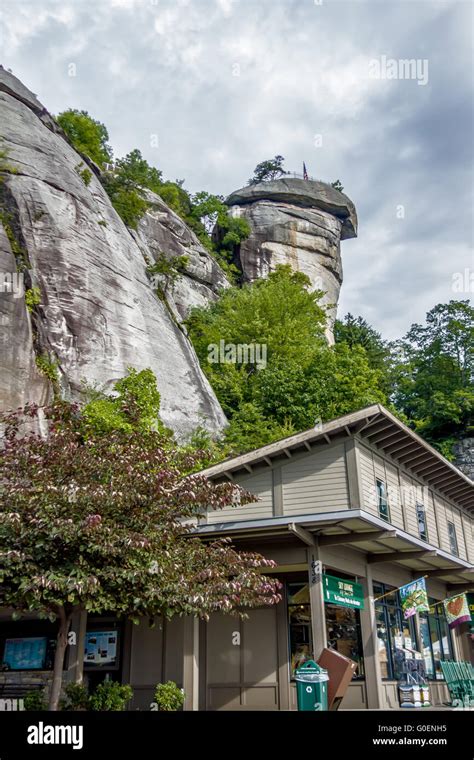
[
  {"x": 433, "y": 374},
  {"x": 134, "y": 405},
  {"x": 296, "y": 379},
  {"x": 87, "y": 135}
]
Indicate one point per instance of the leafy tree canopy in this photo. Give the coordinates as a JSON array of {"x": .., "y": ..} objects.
[
  {"x": 302, "y": 380},
  {"x": 101, "y": 522},
  {"x": 434, "y": 373},
  {"x": 266, "y": 170},
  {"x": 337, "y": 185},
  {"x": 87, "y": 135}
]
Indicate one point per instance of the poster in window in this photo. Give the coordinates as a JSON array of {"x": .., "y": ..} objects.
[
  {"x": 101, "y": 648},
  {"x": 25, "y": 653}
]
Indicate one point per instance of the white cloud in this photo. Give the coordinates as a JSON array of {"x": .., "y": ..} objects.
[{"x": 226, "y": 84}]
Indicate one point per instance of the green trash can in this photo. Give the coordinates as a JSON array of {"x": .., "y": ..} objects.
[{"x": 312, "y": 686}]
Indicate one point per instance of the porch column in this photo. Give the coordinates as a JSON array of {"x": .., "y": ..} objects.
[
  {"x": 316, "y": 598},
  {"x": 373, "y": 676},
  {"x": 191, "y": 663}
]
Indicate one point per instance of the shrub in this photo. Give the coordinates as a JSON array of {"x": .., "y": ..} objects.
[
  {"x": 85, "y": 174},
  {"x": 48, "y": 368},
  {"x": 33, "y": 701},
  {"x": 169, "y": 697},
  {"x": 77, "y": 697},
  {"x": 110, "y": 696},
  {"x": 32, "y": 298}
]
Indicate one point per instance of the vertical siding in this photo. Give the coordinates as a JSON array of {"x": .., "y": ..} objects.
[
  {"x": 394, "y": 495},
  {"x": 410, "y": 495},
  {"x": 259, "y": 484},
  {"x": 404, "y": 491},
  {"x": 316, "y": 483},
  {"x": 469, "y": 536},
  {"x": 433, "y": 536},
  {"x": 367, "y": 474},
  {"x": 442, "y": 523},
  {"x": 454, "y": 516}
]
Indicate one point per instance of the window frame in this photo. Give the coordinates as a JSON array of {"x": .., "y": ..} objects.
[
  {"x": 384, "y": 605},
  {"x": 382, "y": 497},
  {"x": 435, "y": 617},
  {"x": 453, "y": 539},
  {"x": 420, "y": 507}
]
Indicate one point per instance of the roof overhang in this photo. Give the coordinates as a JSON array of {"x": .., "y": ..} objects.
[
  {"x": 378, "y": 427},
  {"x": 359, "y": 530}
]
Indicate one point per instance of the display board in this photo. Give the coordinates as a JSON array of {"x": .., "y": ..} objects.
[
  {"x": 27, "y": 653},
  {"x": 101, "y": 648}
]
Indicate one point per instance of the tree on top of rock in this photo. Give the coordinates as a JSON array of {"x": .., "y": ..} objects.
[{"x": 268, "y": 170}]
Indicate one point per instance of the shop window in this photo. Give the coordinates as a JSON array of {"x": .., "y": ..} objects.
[
  {"x": 421, "y": 517},
  {"x": 344, "y": 634},
  {"x": 453, "y": 541},
  {"x": 435, "y": 640},
  {"x": 394, "y": 633},
  {"x": 342, "y": 627},
  {"x": 384, "y": 511},
  {"x": 299, "y": 624}
]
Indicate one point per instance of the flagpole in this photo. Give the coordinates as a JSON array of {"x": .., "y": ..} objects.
[{"x": 378, "y": 598}]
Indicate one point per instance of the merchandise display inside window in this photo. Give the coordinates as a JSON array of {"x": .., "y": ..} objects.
[
  {"x": 396, "y": 636},
  {"x": 344, "y": 635},
  {"x": 299, "y": 623},
  {"x": 436, "y": 641}
]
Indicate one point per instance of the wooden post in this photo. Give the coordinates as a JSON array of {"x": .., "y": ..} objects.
[
  {"x": 373, "y": 675},
  {"x": 191, "y": 663},
  {"x": 316, "y": 598}
]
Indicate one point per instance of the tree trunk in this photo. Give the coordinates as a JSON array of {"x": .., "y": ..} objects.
[{"x": 61, "y": 644}]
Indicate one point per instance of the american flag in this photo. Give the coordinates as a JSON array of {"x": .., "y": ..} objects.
[{"x": 305, "y": 173}]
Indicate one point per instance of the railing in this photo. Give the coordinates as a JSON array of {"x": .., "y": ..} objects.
[{"x": 297, "y": 175}]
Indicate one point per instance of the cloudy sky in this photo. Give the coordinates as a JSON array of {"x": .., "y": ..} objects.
[{"x": 208, "y": 88}]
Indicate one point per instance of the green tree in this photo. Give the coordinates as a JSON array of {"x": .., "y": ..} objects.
[
  {"x": 268, "y": 170},
  {"x": 356, "y": 331},
  {"x": 337, "y": 185},
  {"x": 304, "y": 379},
  {"x": 93, "y": 522},
  {"x": 87, "y": 135},
  {"x": 434, "y": 373},
  {"x": 136, "y": 170}
]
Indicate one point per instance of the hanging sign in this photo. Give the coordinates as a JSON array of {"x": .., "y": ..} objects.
[
  {"x": 457, "y": 610},
  {"x": 414, "y": 598},
  {"x": 343, "y": 592}
]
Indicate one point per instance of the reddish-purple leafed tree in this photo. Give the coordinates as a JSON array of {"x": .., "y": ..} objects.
[{"x": 103, "y": 522}]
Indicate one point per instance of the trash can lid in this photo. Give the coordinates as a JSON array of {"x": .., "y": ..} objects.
[{"x": 311, "y": 671}]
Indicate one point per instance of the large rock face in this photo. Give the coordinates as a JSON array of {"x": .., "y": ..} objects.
[
  {"x": 98, "y": 313},
  {"x": 296, "y": 222},
  {"x": 160, "y": 233},
  {"x": 464, "y": 456}
]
